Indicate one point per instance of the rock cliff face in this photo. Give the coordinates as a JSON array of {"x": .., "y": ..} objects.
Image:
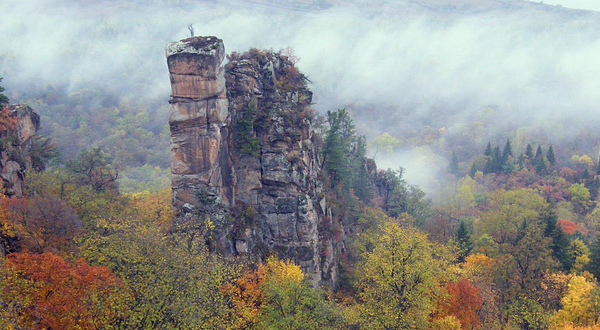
[
  {"x": 15, "y": 146},
  {"x": 245, "y": 163}
]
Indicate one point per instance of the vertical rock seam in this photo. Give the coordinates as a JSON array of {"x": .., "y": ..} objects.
[{"x": 244, "y": 162}]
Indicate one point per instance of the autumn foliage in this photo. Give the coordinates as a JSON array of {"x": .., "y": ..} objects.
[
  {"x": 51, "y": 293},
  {"x": 247, "y": 297},
  {"x": 40, "y": 224},
  {"x": 7, "y": 121},
  {"x": 464, "y": 303},
  {"x": 570, "y": 227}
]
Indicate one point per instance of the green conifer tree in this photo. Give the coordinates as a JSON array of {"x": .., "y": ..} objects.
[
  {"x": 560, "y": 243},
  {"x": 594, "y": 265},
  {"x": 3, "y": 98},
  {"x": 540, "y": 165},
  {"x": 488, "y": 149},
  {"x": 522, "y": 161},
  {"x": 454, "y": 169},
  {"x": 360, "y": 177},
  {"x": 473, "y": 170},
  {"x": 463, "y": 239},
  {"x": 507, "y": 151},
  {"x": 529, "y": 152},
  {"x": 550, "y": 156},
  {"x": 497, "y": 160},
  {"x": 336, "y": 151},
  {"x": 538, "y": 153},
  {"x": 245, "y": 138}
]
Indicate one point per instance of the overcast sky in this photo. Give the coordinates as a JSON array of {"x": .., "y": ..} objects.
[{"x": 577, "y": 4}]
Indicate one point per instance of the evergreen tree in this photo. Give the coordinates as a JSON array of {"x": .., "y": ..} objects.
[
  {"x": 338, "y": 141},
  {"x": 594, "y": 265},
  {"x": 538, "y": 153},
  {"x": 497, "y": 160},
  {"x": 540, "y": 165},
  {"x": 360, "y": 178},
  {"x": 463, "y": 238},
  {"x": 593, "y": 184},
  {"x": 3, "y": 98},
  {"x": 550, "y": 156},
  {"x": 473, "y": 170},
  {"x": 488, "y": 149},
  {"x": 507, "y": 151},
  {"x": 244, "y": 135},
  {"x": 489, "y": 166},
  {"x": 539, "y": 161},
  {"x": 454, "y": 164},
  {"x": 560, "y": 243},
  {"x": 529, "y": 151},
  {"x": 335, "y": 152},
  {"x": 522, "y": 161}
]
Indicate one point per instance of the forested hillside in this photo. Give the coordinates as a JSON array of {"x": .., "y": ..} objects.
[
  {"x": 426, "y": 165},
  {"x": 510, "y": 243}
]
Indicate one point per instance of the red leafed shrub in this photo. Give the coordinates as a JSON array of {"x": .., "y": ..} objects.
[
  {"x": 570, "y": 227},
  {"x": 51, "y": 293}
]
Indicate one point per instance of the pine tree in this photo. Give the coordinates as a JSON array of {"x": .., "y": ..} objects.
[
  {"x": 594, "y": 265},
  {"x": 550, "y": 156},
  {"x": 244, "y": 135},
  {"x": 454, "y": 164},
  {"x": 497, "y": 160},
  {"x": 337, "y": 147},
  {"x": 507, "y": 151},
  {"x": 540, "y": 165},
  {"x": 473, "y": 170},
  {"x": 529, "y": 151},
  {"x": 560, "y": 242},
  {"x": 463, "y": 238},
  {"x": 360, "y": 179},
  {"x": 522, "y": 161},
  {"x": 538, "y": 153},
  {"x": 3, "y": 98},
  {"x": 489, "y": 166},
  {"x": 488, "y": 150}
]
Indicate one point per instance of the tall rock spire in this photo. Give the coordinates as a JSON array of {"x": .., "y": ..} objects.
[
  {"x": 245, "y": 158},
  {"x": 198, "y": 120}
]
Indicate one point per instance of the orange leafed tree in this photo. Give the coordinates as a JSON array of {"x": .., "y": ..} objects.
[
  {"x": 250, "y": 293},
  {"x": 7, "y": 122},
  {"x": 463, "y": 303},
  {"x": 53, "y": 293},
  {"x": 247, "y": 297}
]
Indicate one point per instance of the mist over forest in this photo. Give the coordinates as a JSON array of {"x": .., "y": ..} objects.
[
  {"x": 398, "y": 66},
  {"x": 299, "y": 164}
]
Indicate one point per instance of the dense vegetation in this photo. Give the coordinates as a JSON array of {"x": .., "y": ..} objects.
[{"x": 511, "y": 240}]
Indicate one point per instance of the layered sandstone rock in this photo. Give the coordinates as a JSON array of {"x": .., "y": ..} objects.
[
  {"x": 245, "y": 165},
  {"x": 15, "y": 145}
]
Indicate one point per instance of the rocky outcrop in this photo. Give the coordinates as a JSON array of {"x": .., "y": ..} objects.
[
  {"x": 246, "y": 167},
  {"x": 15, "y": 149}
]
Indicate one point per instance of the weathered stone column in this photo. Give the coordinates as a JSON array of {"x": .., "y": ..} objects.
[{"x": 199, "y": 120}]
